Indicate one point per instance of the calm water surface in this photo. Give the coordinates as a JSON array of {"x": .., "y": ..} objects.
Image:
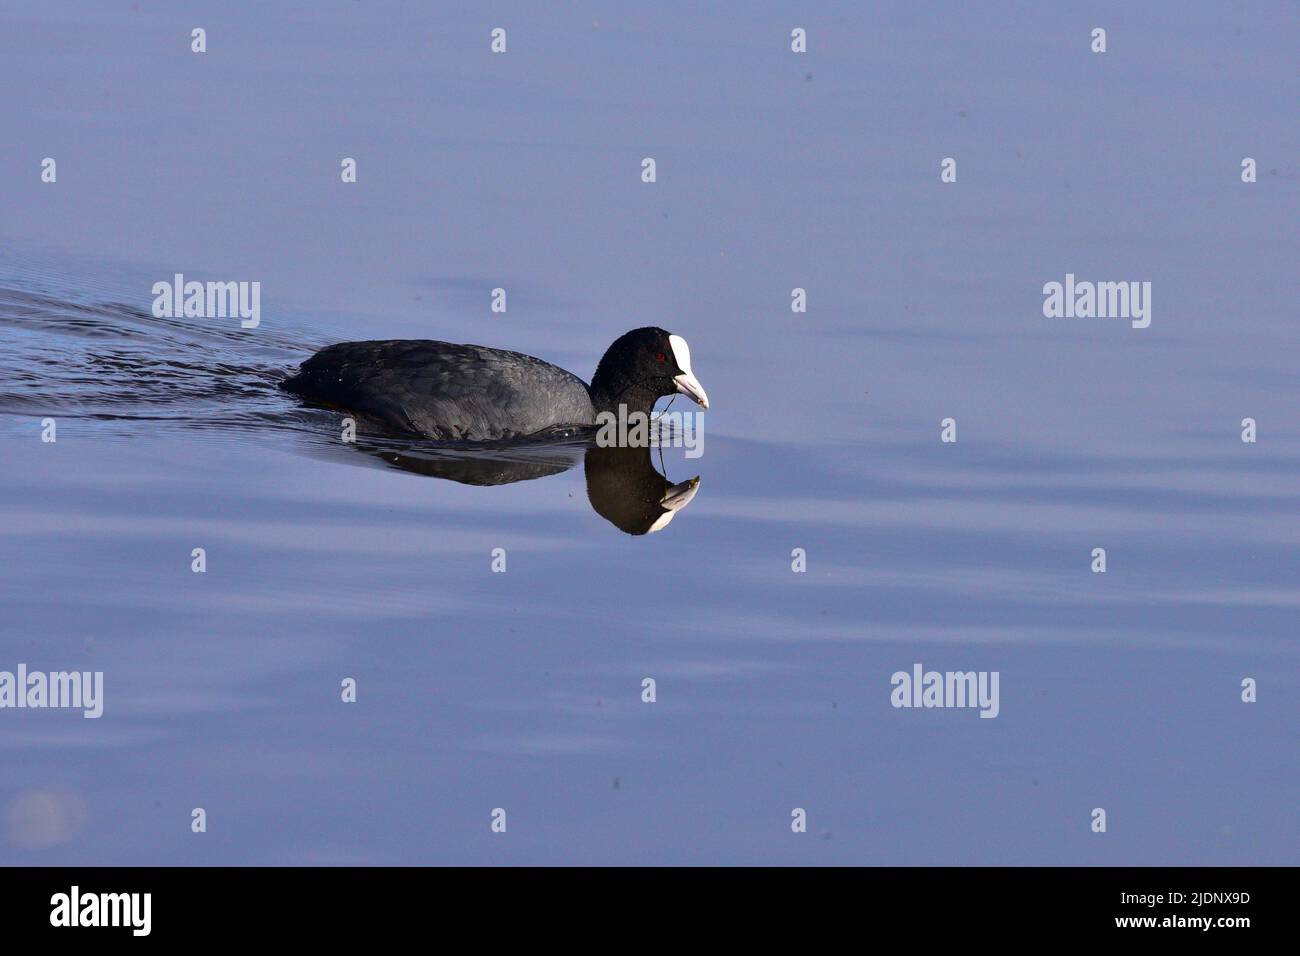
[{"x": 523, "y": 690}]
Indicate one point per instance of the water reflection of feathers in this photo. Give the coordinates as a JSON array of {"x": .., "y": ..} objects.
[{"x": 623, "y": 485}]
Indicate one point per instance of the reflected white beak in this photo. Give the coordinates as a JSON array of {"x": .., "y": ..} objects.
[
  {"x": 688, "y": 384},
  {"x": 675, "y": 498}
]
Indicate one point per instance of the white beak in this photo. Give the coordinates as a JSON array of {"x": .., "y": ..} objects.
[
  {"x": 687, "y": 383},
  {"x": 675, "y": 498}
]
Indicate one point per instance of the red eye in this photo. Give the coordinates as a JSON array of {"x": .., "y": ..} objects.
[{"x": 660, "y": 357}]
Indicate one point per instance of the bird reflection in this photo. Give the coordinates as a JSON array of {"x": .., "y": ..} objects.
[
  {"x": 623, "y": 485},
  {"x": 626, "y": 490}
]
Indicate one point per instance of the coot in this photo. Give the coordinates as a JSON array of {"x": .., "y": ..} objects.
[{"x": 471, "y": 393}]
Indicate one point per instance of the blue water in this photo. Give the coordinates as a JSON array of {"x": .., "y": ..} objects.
[{"x": 522, "y": 691}]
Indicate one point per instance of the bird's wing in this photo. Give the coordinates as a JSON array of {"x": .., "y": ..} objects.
[{"x": 446, "y": 391}]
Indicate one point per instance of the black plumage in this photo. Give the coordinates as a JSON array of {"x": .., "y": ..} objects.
[{"x": 473, "y": 393}]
